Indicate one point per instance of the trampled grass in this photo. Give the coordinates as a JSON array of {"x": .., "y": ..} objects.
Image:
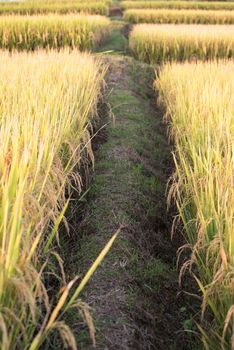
[
  {"x": 202, "y": 5},
  {"x": 47, "y": 101},
  {"x": 178, "y": 16},
  {"x": 199, "y": 100},
  {"x": 156, "y": 43},
  {"x": 52, "y": 31},
  {"x": 56, "y": 6}
]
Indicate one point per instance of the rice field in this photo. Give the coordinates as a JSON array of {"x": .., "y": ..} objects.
[
  {"x": 49, "y": 95},
  {"x": 53, "y": 31},
  {"x": 163, "y": 16},
  {"x": 202, "y": 125},
  {"x": 177, "y": 4},
  {"x": 45, "y": 7},
  {"x": 42, "y": 141},
  {"x": 156, "y": 43}
]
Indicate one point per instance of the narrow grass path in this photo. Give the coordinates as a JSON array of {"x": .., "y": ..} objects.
[
  {"x": 117, "y": 43},
  {"x": 134, "y": 295}
]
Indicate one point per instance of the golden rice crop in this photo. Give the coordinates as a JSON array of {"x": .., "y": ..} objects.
[
  {"x": 70, "y": 1},
  {"x": 179, "y": 16},
  {"x": 202, "y": 5},
  {"x": 60, "y": 1},
  {"x": 156, "y": 43},
  {"x": 44, "y": 7},
  {"x": 52, "y": 31},
  {"x": 46, "y": 104},
  {"x": 199, "y": 99}
]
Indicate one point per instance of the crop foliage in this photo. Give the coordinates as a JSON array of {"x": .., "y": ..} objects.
[
  {"x": 52, "y": 31},
  {"x": 47, "y": 102},
  {"x": 178, "y": 16},
  {"x": 177, "y": 4},
  {"x": 156, "y": 43},
  {"x": 200, "y": 110},
  {"x": 56, "y": 6}
]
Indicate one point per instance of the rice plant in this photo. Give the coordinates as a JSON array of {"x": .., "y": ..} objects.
[
  {"x": 178, "y": 16},
  {"x": 199, "y": 100},
  {"x": 56, "y": 6},
  {"x": 47, "y": 102},
  {"x": 158, "y": 43},
  {"x": 202, "y": 5},
  {"x": 52, "y": 31}
]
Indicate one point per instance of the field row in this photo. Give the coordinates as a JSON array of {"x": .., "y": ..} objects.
[
  {"x": 199, "y": 100},
  {"x": 53, "y": 31},
  {"x": 55, "y": 6},
  {"x": 178, "y": 16},
  {"x": 177, "y": 4},
  {"x": 42, "y": 141},
  {"x": 155, "y": 43}
]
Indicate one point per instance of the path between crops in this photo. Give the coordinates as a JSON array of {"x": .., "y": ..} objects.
[{"x": 134, "y": 295}]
